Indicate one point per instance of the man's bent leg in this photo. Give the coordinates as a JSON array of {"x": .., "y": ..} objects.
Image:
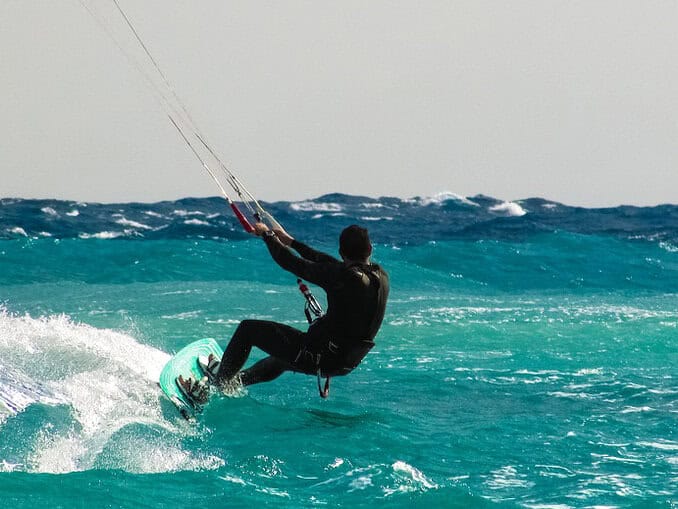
[
  {"x": 276, "y": 339},
  {"x": 265, "y": 370}
]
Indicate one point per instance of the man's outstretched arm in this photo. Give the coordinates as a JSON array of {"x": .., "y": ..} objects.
[
  {"x": 305, "y": 251},
  {"x": 317, "y": 273}
]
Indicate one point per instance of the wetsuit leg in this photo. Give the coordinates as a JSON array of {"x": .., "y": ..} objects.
[
  {"x": 265, "y": 370},
  {"x": 278, "y": 340}
]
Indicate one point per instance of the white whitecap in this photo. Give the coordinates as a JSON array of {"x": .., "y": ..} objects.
[
  {"x": 73, "y": 213},
  {"x": 182, "y": 316},
  {"x": 413, "y": 473},
  {"x": 589, "y": 371},
  {"x": 133, "y": 224},
  {"x": 311, "y": 206},
  {"x": 376, "y": 218},
  {"x": 101, "y": 235},
  {"x": 196, "y": 222},
  {"x": 509, "y": 208},
  {"x": 663, "y": 445},
  {"x": 49, "y": 211},
  {"x": 152, "y": 213},
  {"x": 19, "y": 231},
  {"x": 5, "y": 466},
  {"x": 636, "y": 409},
  {"x": 182, "y": 213},
  {"x": 440, "y": 198}
]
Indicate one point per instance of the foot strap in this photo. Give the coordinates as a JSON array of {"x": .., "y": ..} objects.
[
  {"x": 209, "y": 366},
  {"x": 196, "y": 391}
]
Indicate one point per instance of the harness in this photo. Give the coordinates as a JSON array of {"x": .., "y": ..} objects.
[{"x": 313, "y": 311}]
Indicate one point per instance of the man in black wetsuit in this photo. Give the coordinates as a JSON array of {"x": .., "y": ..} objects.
[{"x": 334, "y": 344}]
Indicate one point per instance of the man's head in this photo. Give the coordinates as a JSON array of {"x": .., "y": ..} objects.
[{"x": 354, "y": 243}]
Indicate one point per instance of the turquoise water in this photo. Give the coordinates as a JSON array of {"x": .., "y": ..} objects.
[{"x": 534, "y": 370}]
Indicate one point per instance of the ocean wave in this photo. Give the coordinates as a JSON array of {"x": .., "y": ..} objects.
[
  {"x": 667, "y": 246},
  {"x": 311, "y": 206},
  {"x": 441, "y": 198},
  {"x": 132, "y": 224},
  {"x": 101, "y": 235},
  {"x": 376, "y": 218},
  {"x": 196, "y": 222},
  {"x": 509, "y": 208},
  {"x": 184, "y": 213},
  {"x": 418, "y": 220},
  {"x": 18, "y": 230}
]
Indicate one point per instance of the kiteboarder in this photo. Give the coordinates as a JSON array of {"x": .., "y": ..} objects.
[{"x": 335, "y": 343}]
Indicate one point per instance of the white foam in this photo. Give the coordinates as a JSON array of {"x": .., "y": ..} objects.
[
  {"x": 509, "y": 208},
  {"x": 5, "y": 466},
  {"x": 636, "y": 409},
  {"x": 440, "y": 198},
  {"x": 152, "y": 213},
  {"x": 311, "y": 206},
  {"x": 507, "y": 477},
  {"x": 19, "y": 231},
  {"x": 589, "y": 371},
  {"x": 182, "y": 316},
  {"x": 668, "y": 247},
  {"x": 376, "y": 218},
  {"x": 101, "y": 235},
  {"x": 548, "y": 506},
  {"x": 196, "y": 222},
  {"x": 183, "y": 213},
  {"x": 73, "y": 213},
  {"x": 49, "y": 211},
  {"x": 335, "y": 464},
  {"x": 109, "y": 380},
  {"x": 360, "y": 483},
  {"x": 663, "y": 446},
  {"x": 408, "y": 471},
  {"x": 132, "y": 224}
]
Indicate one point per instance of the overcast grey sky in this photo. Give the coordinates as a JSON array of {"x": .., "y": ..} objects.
[{"x": 574, "y": 101}]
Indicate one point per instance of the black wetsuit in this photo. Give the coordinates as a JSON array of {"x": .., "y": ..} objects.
[{"x": 336, "y": 342}]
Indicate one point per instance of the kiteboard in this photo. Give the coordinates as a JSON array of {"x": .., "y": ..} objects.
[{"x": 185, "y": 363}]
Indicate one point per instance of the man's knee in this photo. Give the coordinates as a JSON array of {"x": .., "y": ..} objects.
[{"x": 247, "y": 325}]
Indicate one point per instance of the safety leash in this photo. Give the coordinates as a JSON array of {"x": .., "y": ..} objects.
[{"x": 313, "y": 310}]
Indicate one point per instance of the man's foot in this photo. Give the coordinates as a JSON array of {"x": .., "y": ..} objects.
[
  {"x": 233, "y": 388},
  {"x": 197, "y": 391},
  {"x": 209, "y": 366}
]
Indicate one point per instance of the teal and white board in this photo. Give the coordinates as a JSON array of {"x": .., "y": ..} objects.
[{"x": 185, "y": 363}]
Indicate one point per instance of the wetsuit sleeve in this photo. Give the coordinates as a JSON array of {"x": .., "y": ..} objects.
[
  {"x": 311, "y": 254},
  {"x": 320, "y": 273}
]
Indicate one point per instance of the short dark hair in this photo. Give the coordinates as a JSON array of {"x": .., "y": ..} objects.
[{"x": 354, "y": 243}]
